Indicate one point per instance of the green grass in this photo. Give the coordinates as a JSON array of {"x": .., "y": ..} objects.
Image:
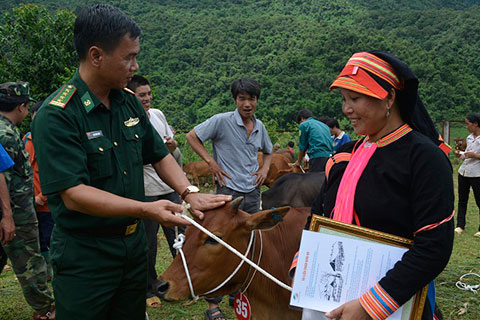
[{"x": 465, "y": 258}]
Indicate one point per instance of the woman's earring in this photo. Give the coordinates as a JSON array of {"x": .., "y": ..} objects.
[{"x": 388, "y": 112}]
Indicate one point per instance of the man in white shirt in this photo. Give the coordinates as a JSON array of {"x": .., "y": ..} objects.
[{"x": 155, "y": 188}]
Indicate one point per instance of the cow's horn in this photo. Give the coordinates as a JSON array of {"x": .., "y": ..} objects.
[{"x": 236, "y": 203}]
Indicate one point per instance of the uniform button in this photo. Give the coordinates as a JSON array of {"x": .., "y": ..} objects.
[
  {"x": 100, "y": 149},
  {"x": 115, "y": 143},
  {"x": 124, "y": 172},
  {"x": 136, "y": 135}
]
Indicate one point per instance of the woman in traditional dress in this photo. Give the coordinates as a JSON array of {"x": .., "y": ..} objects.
[
  {"x": 396, "y": 180},
  {"x": 469, "y": 171}
]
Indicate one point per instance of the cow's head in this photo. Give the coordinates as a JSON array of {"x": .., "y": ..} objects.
[{"x": 209, "y": 262}]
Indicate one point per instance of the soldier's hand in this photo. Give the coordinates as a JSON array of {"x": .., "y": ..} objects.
[
  {"x": 203, "y": 201},
  {"x": 162, "y": 211},
  {"x": 7, "y": 229}
]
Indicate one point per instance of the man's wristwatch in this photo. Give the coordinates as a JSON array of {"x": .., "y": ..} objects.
[{"x": 188, "y": 190}]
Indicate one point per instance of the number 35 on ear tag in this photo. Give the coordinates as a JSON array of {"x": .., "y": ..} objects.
[{"x": 242, "y": 307}]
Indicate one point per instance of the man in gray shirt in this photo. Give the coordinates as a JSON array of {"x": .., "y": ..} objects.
[{"x": 236, "y": 137}]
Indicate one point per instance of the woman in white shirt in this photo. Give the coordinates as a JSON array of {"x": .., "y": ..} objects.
[{"x": 469, "y": 171}]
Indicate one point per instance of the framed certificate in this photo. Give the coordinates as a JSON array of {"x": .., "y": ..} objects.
[{"x": 339, "y": 262}]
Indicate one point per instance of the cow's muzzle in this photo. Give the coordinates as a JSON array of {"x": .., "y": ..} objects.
[{"x": 160, "y": 287}]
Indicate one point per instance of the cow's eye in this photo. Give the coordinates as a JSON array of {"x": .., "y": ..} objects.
[{"x": 210, "y": 240}]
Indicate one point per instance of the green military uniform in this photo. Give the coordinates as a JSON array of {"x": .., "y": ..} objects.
[
  {"x": 80, "y": 141},
  {"x": 24, "y": 250}
]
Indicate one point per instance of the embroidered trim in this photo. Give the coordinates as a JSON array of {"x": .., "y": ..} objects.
[
  {"x": 294, "y": 265},
  {"x": 394, "y": 136},
  {"x": 378, "y": 303},
  {"x": 375, "y": 65},
  {"x": 339, "y": 157},
  {"x": 434, "y": 225}
]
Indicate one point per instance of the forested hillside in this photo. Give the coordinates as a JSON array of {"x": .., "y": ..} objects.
[{"x": 193, "y": 49}]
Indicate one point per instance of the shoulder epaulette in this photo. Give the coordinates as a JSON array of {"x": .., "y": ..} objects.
[
  {"x": 129, "y": 91},
  {"x": 63, "y": 96}
]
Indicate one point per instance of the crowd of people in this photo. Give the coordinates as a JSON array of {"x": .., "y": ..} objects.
[{"x": 84, "y": 194}]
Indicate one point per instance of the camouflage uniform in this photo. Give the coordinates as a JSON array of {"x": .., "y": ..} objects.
[{"x": 24, "y": 250}]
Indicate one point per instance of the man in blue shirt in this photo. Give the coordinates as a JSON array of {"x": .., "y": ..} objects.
[
  {"x": 339, "y": 137},
  {"x": 314, "y": 137},
  {"x": 236, "y": 137}
]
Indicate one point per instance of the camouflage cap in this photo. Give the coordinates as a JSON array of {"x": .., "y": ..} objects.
[{"x": 15, "y": 89}]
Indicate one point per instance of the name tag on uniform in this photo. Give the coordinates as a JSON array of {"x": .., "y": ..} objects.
[
  {"x": 94, "y": 134},
  {"x": 131, "y": 122}
]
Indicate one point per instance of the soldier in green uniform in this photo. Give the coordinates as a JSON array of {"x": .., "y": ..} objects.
[
  {"x": 92, "y": 138},
  {"x": 24, "y": 249}
]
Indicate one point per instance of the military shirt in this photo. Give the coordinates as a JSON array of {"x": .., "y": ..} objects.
[
  {"x": 80, "y": 141},
  {"x": 19, "y": 177}
]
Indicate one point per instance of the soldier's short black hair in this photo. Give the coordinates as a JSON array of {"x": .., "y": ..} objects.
[
  {"x": 137, "y": 81},
  {"x": 304, "y": 114},
  {"x": 104, "y": 26},
  {"x": 8, "y": 104},
  {"x": 246, "y": 85}
]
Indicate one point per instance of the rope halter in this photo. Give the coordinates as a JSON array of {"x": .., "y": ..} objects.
[
  {"x": 464, "y": 286},
  {"x": 178, "y": 245}
]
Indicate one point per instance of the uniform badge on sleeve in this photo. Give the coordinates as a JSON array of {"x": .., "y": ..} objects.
[{"x": 131, "y": 122}]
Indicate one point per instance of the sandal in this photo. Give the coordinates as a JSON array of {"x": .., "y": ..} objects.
[
  {"x": 154, "y": 302},
  {"x": 47, "y": 316},
  {"x": 209, "y": 314}
]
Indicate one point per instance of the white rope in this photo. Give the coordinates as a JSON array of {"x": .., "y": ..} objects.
[
  {"x": 183, "y": 214},
  {"x": 234, "y": 271},
  {"x": 258, "y": 263},
  {"x": 178, "y": 244},
  {"x": 293, "y": 165},
  {"x": 463, "y": 286}
]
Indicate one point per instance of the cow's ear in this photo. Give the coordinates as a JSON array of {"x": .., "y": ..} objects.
[{"x": 267, "y": 219}]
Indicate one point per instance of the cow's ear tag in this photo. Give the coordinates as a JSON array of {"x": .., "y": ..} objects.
[
  {"x": 242, "y": 307},
  {"x": 276, "y": 217}
]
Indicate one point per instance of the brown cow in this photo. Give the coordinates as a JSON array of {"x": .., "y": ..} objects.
[
  {"x": 210, "y": 263},
  {"x": 279, "y": 166},
  {"x": 287, "y": 153},
  {"x": 196, "y": 169}
]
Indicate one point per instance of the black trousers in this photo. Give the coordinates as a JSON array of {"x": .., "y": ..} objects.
[
  {"x": 151, "y": 229},
  {"x": 464, "y": 184},
  {"x": 317, "y": 164}
]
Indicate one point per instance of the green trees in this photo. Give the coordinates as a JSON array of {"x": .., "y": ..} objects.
[
  {"x": 37, "y": 46},
  {"x": 192, "y": 50}
]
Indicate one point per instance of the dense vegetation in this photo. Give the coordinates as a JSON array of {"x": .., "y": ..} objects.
[{"x": 193, "y": 49}]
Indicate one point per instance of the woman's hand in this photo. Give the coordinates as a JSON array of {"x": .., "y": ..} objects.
[
  {"x": 470, "y": 155},
  {"x": 351, "y": 310}
]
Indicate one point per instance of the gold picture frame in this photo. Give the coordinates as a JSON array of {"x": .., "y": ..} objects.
[{"x": 329, "y": 226}]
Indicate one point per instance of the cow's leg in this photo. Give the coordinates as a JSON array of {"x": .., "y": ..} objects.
[{"x": 195, "y": 177}]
